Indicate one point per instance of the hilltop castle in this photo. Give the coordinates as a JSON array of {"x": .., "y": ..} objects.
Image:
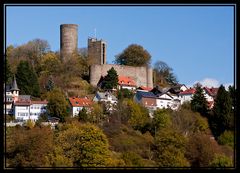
[{"x": 97, "y": 57}]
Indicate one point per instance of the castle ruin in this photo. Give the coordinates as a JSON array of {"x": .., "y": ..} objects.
[
  {"x": 97, "y": 58},
  {"x": 68, "y": 40}
]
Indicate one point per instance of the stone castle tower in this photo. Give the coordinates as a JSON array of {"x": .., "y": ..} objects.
[
  {"x": 97, "y": 58},
  {"x": 96, "y": 51},
  {"x": 68, "y": 40}
]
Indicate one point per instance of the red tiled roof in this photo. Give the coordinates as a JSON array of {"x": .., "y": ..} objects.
[
  {"x": 211, "y": 91},
  {"x": 29, "y": 102},
  {"x": 145, "y": 88},
  {"x": 80, "y": 102},
  {"x": 22, "y": 103},
  {"x": 125, "y": 80},
  {"x": 188, "y": 91},
  {"x": 39, "y": 102}
]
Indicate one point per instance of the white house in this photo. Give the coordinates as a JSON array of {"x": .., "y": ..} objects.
[
  {"x": 186, "y": 95},
  {"x": 105, "y": 97},
  {"x": 25, "y": 109},
  {"x": 164, "y": 100},
  {"x": 21, "y": 110},
  {"x": 37, "y": 108},
  {"x": 77, "y": 104}
]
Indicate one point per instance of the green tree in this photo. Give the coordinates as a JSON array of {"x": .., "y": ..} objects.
[
  {"x": 161, "y": 119},
  {"x": 170, "y": 149},
  {"x": 83, "y": 116},
  {"x": 233, "y": 95},
  {"x": 133, "y": 55},
  {"x": 139, "y": 116},
  {"x": 124, "y": 93},
  {"x": 27, "y": 79},
  {"x": 57, "y": 104},
  {"x": 85, "y": 145},
  {"x": 220, "y": 160},
  {"x": 50, "y": 84},
  {"x": 132, "y": 159},
  {"x": 110, "y": 81},
  {"x": 199, "y": 102},
  {"x": 8, "y": 75},
  {"x": 222, "y": 112},
  {"x": 226, "y": 138}
]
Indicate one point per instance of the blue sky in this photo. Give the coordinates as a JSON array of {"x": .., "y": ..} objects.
[{"x": 196, "y": 41}]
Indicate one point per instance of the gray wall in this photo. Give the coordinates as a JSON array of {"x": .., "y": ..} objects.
[{"x": 142, "y": 75}]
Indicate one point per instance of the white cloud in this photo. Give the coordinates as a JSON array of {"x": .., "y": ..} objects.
[{"x": 209, "y": 82}]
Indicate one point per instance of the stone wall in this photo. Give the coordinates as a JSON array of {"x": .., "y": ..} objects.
[
  {"x": 142, "y": 75},
  {"x": 68, "y": 40}
]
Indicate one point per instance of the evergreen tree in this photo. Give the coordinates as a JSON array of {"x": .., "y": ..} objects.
[
  {"x": 50, "y": 84},
  {"x": 7, "y": 72},
  {"x": 27, "y": 79},
  {"x": 82, "y": 115},
  {"x": 199, "y": 102},
  {"x": 57, "y": 104},
  {"x": 222, "y": 112},
  {"x": 110, "y": 81}
]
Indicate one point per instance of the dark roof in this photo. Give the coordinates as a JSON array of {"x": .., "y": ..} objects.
[
  {"x": 24, "y": 97},
  {"x": 157, "y": 90},
  {"x": 14, "y": 85},
  {"x": 145, "y": 94}
]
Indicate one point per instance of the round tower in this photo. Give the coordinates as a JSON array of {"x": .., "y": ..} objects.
[{"x": 68, "y": 40}]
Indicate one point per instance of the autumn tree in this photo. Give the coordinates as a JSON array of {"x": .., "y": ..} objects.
[
  {"x": 200, "y": 150},
  {"x": 170, "y": 149},
  {"x": 29, "y": 148},
  {"x": 188, "y": 122},
  {"x": 221, "y": 161},
  {"x": 27, "y": 79},
  {"x": 50, "y": 64},
  {"x": 139, "y": 116},
  {"x": 133, "y": 55},
  {"x": 164, "y": 74},
  {"x": 96, "y": 114},
  {"x": 199, "y": 102},
  {"x": 222, "y": 118},
  {"x": 85, "y": 144},
  {"x": 57, "y": 104},
  {"x": 110, "y": 81},
  {"x": 226, "y": 138},
  {"x": 161, "y": 119}
]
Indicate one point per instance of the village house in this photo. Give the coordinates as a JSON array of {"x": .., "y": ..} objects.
[
  {"x": 186, "y": 96},
  {"x": 11, "y": 93},
  {"x": 107, "y": 98},
  {"x": 143, "y": 88},
  {"x": 147, "y": 99},
  {"x": 125, "y": 82},
  {"x": 24, "y": 108},
  {"x": 77, "y": 104}
]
